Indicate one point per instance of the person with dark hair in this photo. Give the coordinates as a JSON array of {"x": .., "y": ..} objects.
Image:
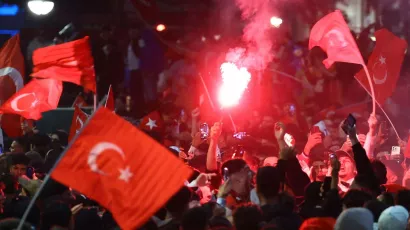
[
  {"x": 247, "y": 217},
  {"x": 19, "y": 163},
  {"x": 19, "y": 145},
  {"x": 403, "y": 199},
  {"x": 176, "y": 206},
  {"x": 380, "y": 170},
  {"x": 40, "y": 143},
  {"x": 376, "y": 207},
  {"x": 56, "y": 214},
  {"x": 387, "y": 198},
  {"x": 195, "y": 219},
  {"x": 267, "y": 185},
  {"x": 355, "y": 199},
  {"x": 87, "y": 219}
]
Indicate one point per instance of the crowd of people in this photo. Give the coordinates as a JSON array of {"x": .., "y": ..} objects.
[{"x": 284, "y": 159}]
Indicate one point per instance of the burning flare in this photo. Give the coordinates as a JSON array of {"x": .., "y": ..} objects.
[{"x": 235, "y": 81}]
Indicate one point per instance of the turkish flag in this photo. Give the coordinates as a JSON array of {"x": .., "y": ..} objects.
[
  {"x": 123, "y": 169},
  {"x": 79, "y": 101},
  {"x": 11, "y": 80},
  {"x": 70, "y": 62},
  {"x": 34, "y": 98},
  {"x": 79, "y": 118},
  {"x": 384, "y": 65},
  {"x": 332, "y": 34},
  {"x": 110, "y": 103},
  {"x": 152, "y": 122}
]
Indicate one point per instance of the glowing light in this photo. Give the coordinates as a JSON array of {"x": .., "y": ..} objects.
[
  {"x": 203, "y": 39},
  {"x": 8, "y": 10},
  {"x": 373, "y": 38},
  {"x": 235, "y": 81},
  {"x": 40, "y": 7},
  {"x": 161, "y": 27},
  {"x": 217, "y": 37},
  {"x": 276, "y": 22}
]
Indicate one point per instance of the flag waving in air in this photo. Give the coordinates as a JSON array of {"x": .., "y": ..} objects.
[
  {"x": 70, "y": 62},
  {"x": 78, "y": 121},
  {"x": 123, "y": 169},
  {"x": 332, "y": 34},
  {"x": 34, "y": 98},
  {"x": 384, "y": 65},
  {"x": 110, "y": 103},
  {"x": 11, "y": 80}
]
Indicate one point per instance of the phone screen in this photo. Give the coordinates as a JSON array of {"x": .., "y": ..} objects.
[
  {"x": 204, "y": 129},
  {"x": 351, "y": 121}
]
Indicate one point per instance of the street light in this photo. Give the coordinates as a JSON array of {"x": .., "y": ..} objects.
[{"x": 40, "y": 7}]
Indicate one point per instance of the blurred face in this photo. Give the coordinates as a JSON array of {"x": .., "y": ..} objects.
[
  {"x": 18, "y": 170},
  {"x": 241, "y": 181},
  {"x": 271, "y": 161},
  {"x": 320, "y": 169},
  {"x": 16, "y": 147},
  {"x": 347, "y": 168}
]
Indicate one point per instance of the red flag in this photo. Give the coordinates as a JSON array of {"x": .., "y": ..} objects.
[
  {"x": 79, "y": 101},
  {"x": 11, "y": 80},
  {"x": 34, "y": 98},
  {"x": 70, "y": 62},
  {"x": 110, "y": 104},
  {"x": 79, "y": 118},
  {"x": 332, "y": 34},
  {"x": 384, "y": 65},
  {"x": 152, "y": 122},
  {"x": 123, "y": 169}
]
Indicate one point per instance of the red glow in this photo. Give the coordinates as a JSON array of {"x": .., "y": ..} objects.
[
  {"x": 160, "y": 27},
  {"x": 235, "y": 81}
]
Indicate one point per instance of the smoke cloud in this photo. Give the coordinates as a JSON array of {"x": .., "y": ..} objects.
[{"x": 256, "y": 35}]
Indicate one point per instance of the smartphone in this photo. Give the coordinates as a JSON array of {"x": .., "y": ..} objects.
[
  {"x": 315, "y": 129},
  {"x": 204, "y": 129},
  {"x": 349, "y": 122},
  {"x": 226, "y": 171},
  {"x": 30, "y": 172},
  {"x": 240, "y": 135},
  {"x": 395, "y": 150},
  {"x": 332, "y": 156}
]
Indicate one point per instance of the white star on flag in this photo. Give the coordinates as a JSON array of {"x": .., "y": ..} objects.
[
  {"x": 125, "y": 174},
  {"x": 382, "y": 60},
  {"x": 151, "y": 123}
]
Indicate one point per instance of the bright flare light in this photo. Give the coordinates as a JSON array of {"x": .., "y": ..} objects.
[
  {"x": 235, "y": 81},
  {"x": 40, "y": 7},
  {"x": 276, "y": 22},
  {"x": 161, "y": 27}
]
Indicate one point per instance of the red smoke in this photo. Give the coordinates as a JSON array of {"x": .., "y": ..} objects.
[{"x": 256, "y": 34}]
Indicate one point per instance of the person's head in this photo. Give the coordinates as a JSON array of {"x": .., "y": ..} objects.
[
  {"x": 376, "y": 207},
  {"x": 355, "y": 198},
  {"x": 15, "y": 208},
  {"x": 60, "y": 136},
  {"x": 312, "y": 192},
  {"x": 267, "y": 183},
  {"x": 380, "y": 171},
  {"x": 19, "y": 163},
  {"x": 403, "y": 199},
  {"x": 179, "y": 202},
  {"x": 318, "y": 223},
  {"x": 195, "y": 219},
  {"x": 394, "y": 218},
  {"x": 40, "y": 143},
  {"x": 387, "y": 199},
  {"x": 87, "y": 219},
  {"x": 238, "y": 172},
  {"x": 247, "y": 217},
  {"x": 19, "y": 145},
  {"x": 271, "y": 161},
  {"x": 347, "y": 166},
  {"x": 56, "y": 213},
  {"x": 355, "y": 218},
  {"x": 320, "y": 168}
]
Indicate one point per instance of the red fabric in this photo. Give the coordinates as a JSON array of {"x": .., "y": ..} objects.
[
  {"x": 70, "y": 62},
  {"x": 332, "y": 34},
  {"x": 110, "y": 104},
  {"x": 79, "y": 118},
  {"x": 384, "y": 65},
  {"x": 322, "y": 223},
  {"x": 152, "y": 122},
  {"x": 79, "y": 101},
  {"x": 394, "y": 188},
  {"x": 407, "y": 152},
  {"x": 11, "y": 66},
  {"x": 36, "y": 97},
  {"x": 95, "y": 164}
]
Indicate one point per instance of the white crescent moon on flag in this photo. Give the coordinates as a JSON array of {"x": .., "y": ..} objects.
[
  {"x": 380, "y": 81},
  {"x": 13, "y": 103},
  {"x": 15, "y": 75},
  {"x": 97, "y": 150},
  {"x": 81, "y": 124},
  {"x": 341, "y": 42}
]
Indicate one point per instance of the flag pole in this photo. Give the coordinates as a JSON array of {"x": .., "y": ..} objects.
[
  {"x": 48, "y": 176},
  {"x": 95, "y": 102},
  {"x": 207, "y": 92},
  {"x": 106, "y": 101},
  {"x": 371, "y": 88},
  {"x": 381, "y": 108}
]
